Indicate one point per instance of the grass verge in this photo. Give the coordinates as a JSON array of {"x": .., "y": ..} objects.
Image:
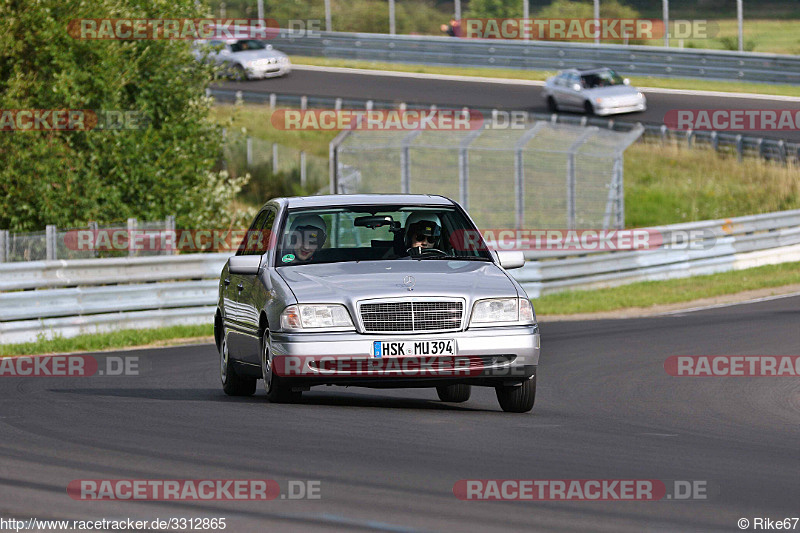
[
  {"x": 541, "y": 75},
  {"x": 105, "y": 341},
  {"x": 649, "y": 293}
]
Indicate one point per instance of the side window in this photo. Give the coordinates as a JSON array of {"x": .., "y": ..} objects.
[
  {"x": 561, "y": 81},
  {"x": 248, "y": 247}
]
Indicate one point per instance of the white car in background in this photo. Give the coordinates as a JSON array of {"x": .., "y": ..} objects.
[
  {"x": 599, "y": 91},
  {"x": 243, "y": 59}
]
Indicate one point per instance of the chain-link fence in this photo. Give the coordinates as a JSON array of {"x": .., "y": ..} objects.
[
  {"x": 542, "y": 175},
  {"x": 243, "y": 154},
  {"x": 87, "y": 242}
]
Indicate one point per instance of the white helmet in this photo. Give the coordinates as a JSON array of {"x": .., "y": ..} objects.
[{"x": 426, "y": 224}]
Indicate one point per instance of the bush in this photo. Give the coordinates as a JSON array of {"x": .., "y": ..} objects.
[
  {"x": 731, "y": 42},
  {"x": 69, "y": 178}
]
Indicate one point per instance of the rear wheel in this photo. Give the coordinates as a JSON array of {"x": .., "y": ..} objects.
[
  {"x": 277, "y": 387},
  {"x": 454, "y": 393},
  {"x": 517, "y": 398},
  {"x": 552, "y": 106},
  {"x": 232, "y": 383}
]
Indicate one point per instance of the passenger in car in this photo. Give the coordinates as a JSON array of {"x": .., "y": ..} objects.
[{"x": 307, "y": 234}]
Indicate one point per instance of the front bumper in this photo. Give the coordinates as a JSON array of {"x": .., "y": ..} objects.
[
  {"x": 273, "y": 70},
  {"x": 614, "y": 110},
  {"x": 489, "y": 356}
]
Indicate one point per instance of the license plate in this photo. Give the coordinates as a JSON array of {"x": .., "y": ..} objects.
[{"x": 406, "y": 348}]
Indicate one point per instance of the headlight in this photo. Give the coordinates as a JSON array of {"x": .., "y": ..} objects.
[
  {"x": 502, "y": 310},
  {"x": 302, "y": 317}
]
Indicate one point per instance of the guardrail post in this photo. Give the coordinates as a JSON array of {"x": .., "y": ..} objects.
[
  {"x": 132, "y": 224},
  {"x": 273, "y": 100},
  {"x": 50, "y": 242},
  {"x": 663, "y": 133},
  {"x": 368, "y": 105},
  {"x": 171, "y": 237},
  {"x": 302, "y": 169},
  {"x": 619, "y": 214},
  {"x": 304, "y": 102},
  {"x": 689, "y": 136},
  {"x": 782, "y": 151},
  {"x": 337, "y": 104},
  {"x": 249, "y": 151},
  {"x": 4, "y": 245},
  {"x": 94, "y": 228},
  {"x": 739, "y": 147},
  {"x": 761, "y": 147},
  {"x": 715, "y": 141},
  {"x": 274, "y": 158},
  {"x": 239, "y": 98}
]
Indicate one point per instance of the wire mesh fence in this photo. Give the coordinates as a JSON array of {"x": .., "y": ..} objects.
[
  {"x": 543, "y": 174},
  {"x": 88, "y": 242}
]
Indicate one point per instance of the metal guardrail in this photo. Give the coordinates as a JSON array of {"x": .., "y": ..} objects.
[
  {"x": 68, "y": 298},
  {"x": 543, "y": 55},
  {"x": 742, "y": 145}
]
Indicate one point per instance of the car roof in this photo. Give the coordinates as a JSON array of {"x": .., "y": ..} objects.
[
  {"x": 582, "y": 71},
  {"x": 342, "y": 200}
]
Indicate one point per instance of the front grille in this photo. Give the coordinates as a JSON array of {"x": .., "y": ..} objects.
[{"x": 412, "y": 316}]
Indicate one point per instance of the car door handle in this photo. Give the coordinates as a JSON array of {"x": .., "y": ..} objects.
[
  {"x": 226, "y": 281},
  {"x": 240, "y": 286}
]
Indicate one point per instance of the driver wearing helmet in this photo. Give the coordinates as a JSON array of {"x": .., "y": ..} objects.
[
  {"x": 422, "y": 231},
  {"x": 307, "y": 234}
]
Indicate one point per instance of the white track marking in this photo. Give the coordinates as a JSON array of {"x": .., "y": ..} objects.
[{"x": 532, "y": 83}]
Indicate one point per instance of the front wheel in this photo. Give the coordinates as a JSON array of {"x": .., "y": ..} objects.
[
  {"x": 277, "y": 388},
  {"x": 552, "y": 106},
  {"x": 588, "y": 107},
  {"x": 518, "y": 398},
  {"x": 454, "y": 393},
  {"x": 232, "y": 383}
]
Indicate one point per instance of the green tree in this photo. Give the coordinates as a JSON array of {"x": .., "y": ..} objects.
[
  {"x": 494, "y": 9},
  {"x": 585, "y": 9},
  {"x": 68, "y": 178}
]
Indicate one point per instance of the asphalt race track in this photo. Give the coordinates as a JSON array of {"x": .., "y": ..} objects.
[
  {"x": 388, "y": 460},
  {"x": 496, "y": 95}
]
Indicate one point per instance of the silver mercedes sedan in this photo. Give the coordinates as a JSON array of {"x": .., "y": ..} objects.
[
  {"x": 374, "y": 291},
  {"x": 599, "y": 91}
]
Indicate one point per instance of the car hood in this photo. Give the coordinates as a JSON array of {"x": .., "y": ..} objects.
[
  {"x": 616, "y": 90},
  {"x": 250, "y": 55},
  {"x": 350, "y": 282}
]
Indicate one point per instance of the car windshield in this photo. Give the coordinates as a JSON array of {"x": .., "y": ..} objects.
[
  {"x": 247, "y": 44},
  {"x": 378, "y": 233},
  {"x": 604, "y": 78}
]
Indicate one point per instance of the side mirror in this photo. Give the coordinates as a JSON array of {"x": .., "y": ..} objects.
[
  {"x": 576, "y": 87},
  {"x": 244, "y": 264},
  {"x": 510, "y": 259},
  {"x": 626, "y": 81}
]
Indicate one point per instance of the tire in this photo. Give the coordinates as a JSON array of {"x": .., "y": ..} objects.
[
  {"x": 232, "y": 383},
  {"x": 588, "y": 107},
  {"x": 519, "y": 399},
  {"x": 238, "y": 73},
  {"x": 454, "y": 393},
  {"x": 552, "y": 106},
  {"x": 278, "y": 388}
]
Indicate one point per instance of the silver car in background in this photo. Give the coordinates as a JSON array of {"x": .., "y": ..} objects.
[
  {"x": 598, "y": 91},
  {"x": 243, "y": 58},
  {"x": 374, "y": 291}
]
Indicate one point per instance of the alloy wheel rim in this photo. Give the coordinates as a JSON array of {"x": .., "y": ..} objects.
[
  {"x": 266, "y": 364},
  {"x": 223, "y": 361}
]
